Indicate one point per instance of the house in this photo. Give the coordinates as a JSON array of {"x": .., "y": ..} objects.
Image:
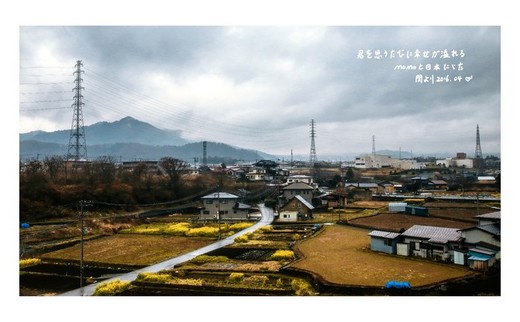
[
  {"x": 362, "y": 190},
  {"x": 300, "y": 178},
  {"x": 334, "y": 199},
  {"x": 482, "y": 242},
  {"x": 296, "y": 209},
  {"x": 223, "y": 206},
  {"x": 388, "y": 187},
  {"x": 489, "y": 218},
  {"x": 430, "y": 242},
  {"x": 437, "y": 185},
  {"x": 384, "y": 241},
  {"x": 487, "y": 231},
  {"x": 298, "y": 188},
  {"x": 373, "y": 187},
  {"x": 257, "y": 174}
]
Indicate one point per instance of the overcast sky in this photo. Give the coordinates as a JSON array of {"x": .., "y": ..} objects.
[{"x": 260, "y": 87}]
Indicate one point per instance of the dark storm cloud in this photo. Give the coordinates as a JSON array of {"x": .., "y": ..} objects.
[{"x": 279, "y": 78}]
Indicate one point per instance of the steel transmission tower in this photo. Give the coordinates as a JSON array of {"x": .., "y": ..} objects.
[
  {"x": 313, "y": 158},
  {"x": 373, "y": 145},
  {"x": 204, "y": 153},
  {"x": 77, "y": 143},
  {"x": 478, "y": 161}
]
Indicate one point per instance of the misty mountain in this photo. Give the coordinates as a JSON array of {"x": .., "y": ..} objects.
[
  {"x": 126, "y": 130},
  {"x": 129, "y": 139}
]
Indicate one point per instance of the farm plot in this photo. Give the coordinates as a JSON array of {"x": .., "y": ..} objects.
[
  {"x": 131, "y": 249},
  {"x": 397, "y": 221},
  {"x": 342, "y": 255}
]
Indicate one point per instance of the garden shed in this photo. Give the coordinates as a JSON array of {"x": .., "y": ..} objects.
[
  {"x": 384, "y": 241},
  {"x": 416, "y": 211},
  {"x": 397, "y": 206}
]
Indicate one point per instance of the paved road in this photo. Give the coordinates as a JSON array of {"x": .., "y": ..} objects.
[{"x": 266, "y": 219}]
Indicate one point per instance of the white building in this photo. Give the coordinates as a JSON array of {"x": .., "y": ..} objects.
[
  {"x": 377, "y": 161},
  {"x": 455, "y": 163},
  {"x": 300, "y": 178}
]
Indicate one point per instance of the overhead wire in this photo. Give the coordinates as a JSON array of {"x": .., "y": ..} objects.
[{"x": 120, "y": 98}]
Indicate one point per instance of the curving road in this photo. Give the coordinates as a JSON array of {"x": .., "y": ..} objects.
[{"x": 266, "y": 219}]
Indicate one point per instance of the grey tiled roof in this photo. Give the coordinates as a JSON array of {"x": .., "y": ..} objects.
[
  {"x": 493, "y": 229},
  {"x": 383, "y": 234},
  {"x": 435, "y": 234},
  {"x": 298, "y": 186}
]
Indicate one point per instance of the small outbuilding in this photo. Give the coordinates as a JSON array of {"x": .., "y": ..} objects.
[
  {"x": 416, "y": 211},
  {"x": 384, "y": 241},
  {"x": 397, "y": 206}
]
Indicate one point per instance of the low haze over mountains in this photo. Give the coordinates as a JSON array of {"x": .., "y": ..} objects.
[{"x": 130, "y": 139}]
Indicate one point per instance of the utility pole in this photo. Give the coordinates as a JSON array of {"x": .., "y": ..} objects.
[
  {"x": 218, "y": 212},
  {"x": 82, "y": 204}
]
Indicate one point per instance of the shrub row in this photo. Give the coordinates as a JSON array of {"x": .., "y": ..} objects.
[
  {"x": 29, "y": 262},
  {"x": 282, "y": 255},
  {"x": 186, "y": 229},
  {"x": 112, "y": 288}
]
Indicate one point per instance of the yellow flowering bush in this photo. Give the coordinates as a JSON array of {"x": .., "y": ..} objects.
[
  {"x": 281, "y": 255},
  {"x": 29, "y": 262},
  {"x": 111, "y": 288},
  {"x": 153, "y": 277},
  {"x": 179, "y": 229},
  {"x": 202, "y": 232},
  {"x": 236, "y": 277}
]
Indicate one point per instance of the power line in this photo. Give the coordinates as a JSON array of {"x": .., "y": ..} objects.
[{"x": 44, "y": 109}]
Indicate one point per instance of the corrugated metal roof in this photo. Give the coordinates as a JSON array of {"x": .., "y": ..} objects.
[
  {"x": 491, "y": 215},
  {"x": 383, "y": 234},
  {"x": 220, "y": 195},
  {"x": 362, "y": 184},
  {"x": 298, "y": 186},
  {"x": 481, "y": 258},
  {"x": 305, "y": 202},
  {"x": 435, "y": 234},
  {"x": 242, "y": 206}
]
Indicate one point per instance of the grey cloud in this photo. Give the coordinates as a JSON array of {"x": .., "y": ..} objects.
[{"x": 306, "y": 73}]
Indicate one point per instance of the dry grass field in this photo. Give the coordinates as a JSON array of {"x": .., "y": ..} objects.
[
  {"x": 131, "y": 249},
  {"x": 342, "y": 255}
]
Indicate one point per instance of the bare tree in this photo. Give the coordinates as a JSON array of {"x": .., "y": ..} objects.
[
  {"x": 104, "y": 168},
  {"x": 53, "y": 165},
  {"x": 173, "y": 168}
]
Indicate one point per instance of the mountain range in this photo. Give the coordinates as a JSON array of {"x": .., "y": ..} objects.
[{"x": 130, "y": 139}]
